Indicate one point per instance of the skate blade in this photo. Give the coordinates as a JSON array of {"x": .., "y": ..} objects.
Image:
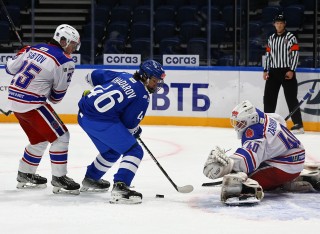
[
  {"x": 58, "y": 190},
  {"x": 121, "y": 200},
  {"x": 93, "y": 190},
  {"x": 24, "y": 185},
  {"x": 297, "y": 132},
  {"x": 234, "y": 201}
]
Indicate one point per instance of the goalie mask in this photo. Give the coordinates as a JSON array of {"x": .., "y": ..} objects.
[
  {"x": 243, "y": 116},
  {"x": 68, "y": 33}
]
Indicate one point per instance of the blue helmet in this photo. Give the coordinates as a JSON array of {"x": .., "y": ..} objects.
[{"x": 151, "y": 68}]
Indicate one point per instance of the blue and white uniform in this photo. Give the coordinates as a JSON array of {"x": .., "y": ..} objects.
[{"x": 110, "y": 114}]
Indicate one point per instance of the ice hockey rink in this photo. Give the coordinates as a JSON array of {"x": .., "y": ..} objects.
[{"x": 181, "y": 151}]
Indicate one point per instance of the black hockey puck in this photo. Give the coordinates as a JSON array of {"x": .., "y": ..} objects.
[{"x": 159, "y": 196}]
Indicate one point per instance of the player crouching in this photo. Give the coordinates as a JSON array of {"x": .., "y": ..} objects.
[{"x": 270, "y": 157}]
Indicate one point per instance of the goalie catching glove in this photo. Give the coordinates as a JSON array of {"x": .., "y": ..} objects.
[{"x": 218, "y": 164}]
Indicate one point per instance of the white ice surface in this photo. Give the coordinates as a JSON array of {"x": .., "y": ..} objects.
[{"x": 182, "y": 152}]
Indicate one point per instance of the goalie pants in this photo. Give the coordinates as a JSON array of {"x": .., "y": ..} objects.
[
  {"x": 42, "y": 125},
  {"x": 113, "y": 140},
  {"x": 271, "y": 177}
]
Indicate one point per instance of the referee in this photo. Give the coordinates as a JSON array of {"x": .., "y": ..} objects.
[{"x": 282, "y": 53}]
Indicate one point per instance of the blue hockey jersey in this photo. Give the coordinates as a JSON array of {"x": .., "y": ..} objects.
[{"x": 116, "y": 96}]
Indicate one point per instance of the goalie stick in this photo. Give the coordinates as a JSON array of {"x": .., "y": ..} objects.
[
  {"x": 183, "y": 189},
  {"x": 306, "y": 96}
]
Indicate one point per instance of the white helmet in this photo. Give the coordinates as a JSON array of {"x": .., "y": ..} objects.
[
  {"x": 69, "y": 33},
  {"x": 243, "y": 116}
]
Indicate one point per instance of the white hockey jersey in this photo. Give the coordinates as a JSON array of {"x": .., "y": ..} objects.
[
  {"x": 269, "y": 142},
  {"x": 40, "y": 72}
]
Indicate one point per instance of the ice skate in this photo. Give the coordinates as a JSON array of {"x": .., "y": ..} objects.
[
  {"x": 121, "y": 194},
  {"x": 91, "y": 185},
  {"x": 28, "y": 180},
  {"x": 297, "y": 129},
  {"x": 64, "y": 184}
]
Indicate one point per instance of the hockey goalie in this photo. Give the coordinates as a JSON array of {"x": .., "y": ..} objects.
[{"x": 270, "y": 157}]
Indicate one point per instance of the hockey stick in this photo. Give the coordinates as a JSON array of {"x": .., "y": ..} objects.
[
  {"x": 13, "y": 27},
  {"x": 183, "y": 189},
  {"x": 5, "y": 112},
  {"x": 214, "y": 183},
  {"x": 308, "y": 94}
]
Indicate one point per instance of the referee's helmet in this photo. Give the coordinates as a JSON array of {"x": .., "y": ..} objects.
[{"x": 279, "y": 17}]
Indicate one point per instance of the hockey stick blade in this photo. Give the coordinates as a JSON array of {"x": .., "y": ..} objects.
[
  {"x": 185, "y": 189},
  {"x": 6, "y": 113}
]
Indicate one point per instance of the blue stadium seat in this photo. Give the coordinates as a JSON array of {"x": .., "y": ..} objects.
[
  {"x": 114, "y": 45},
  {"x": 268, "y": 29},
  {"x": 228, "y": 15},
  {"x": 5, "y": 32},
  {"x": 164, "y": 30},
  {"x": 215, "y": 13},
  {"x": 101, "y": 15},
  {"x": 141, "y": 14},
  {"x": 14, "y": 12},
  {"x": 286, "y": 3},
  {"x": 140, "y": 29},
  {"x": 198, "y": 46},
  {"x": 269, "y": 12},
  {"x": 85, "y": 48},
  {"x": 104, "y": 3},
  {"x": 99, "y": 31},
  {"x": 170, "y": 45},
  {"x": 294, "y": 16},
  {"x": 118, "y": 29},
  {"x": 255, "y": 29},
  {"x": 186, "y": 13},
  {"x": 121, "y": 13},
  {"x": 141, "y": 46},
  {"x": 189, "y": 30},
  {"x": 164, "y": 13},
  {"x": 131, "y": 3},
  {"x": 218, "y": 32}
]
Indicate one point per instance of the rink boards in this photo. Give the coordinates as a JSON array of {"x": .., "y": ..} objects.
[{"x": 193, "y": 96}]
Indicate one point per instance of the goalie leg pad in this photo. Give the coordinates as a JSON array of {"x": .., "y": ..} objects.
[
  {"x": 311, "y": 176},
  {"x": 238, "y": 189}
]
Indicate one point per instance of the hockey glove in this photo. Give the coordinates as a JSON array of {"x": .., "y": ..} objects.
[
  {"x": 218, "y": 164},
  {"x": 136, "y": 132},
  {"x": 85, "y": 93}
]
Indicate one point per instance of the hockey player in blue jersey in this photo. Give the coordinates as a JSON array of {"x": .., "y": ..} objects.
[{"x": 110, "y": 114}]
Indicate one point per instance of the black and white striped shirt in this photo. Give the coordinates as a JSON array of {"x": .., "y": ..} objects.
[{"x": 282, "y": 51}]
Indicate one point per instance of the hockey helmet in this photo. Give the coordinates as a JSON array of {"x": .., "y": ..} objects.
[
  {"x": 67, "y": 32},
  {"x": 279, "y": 17},
  {"x": 151, "y": 68},
  {"x": 243, "y": 116}
]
